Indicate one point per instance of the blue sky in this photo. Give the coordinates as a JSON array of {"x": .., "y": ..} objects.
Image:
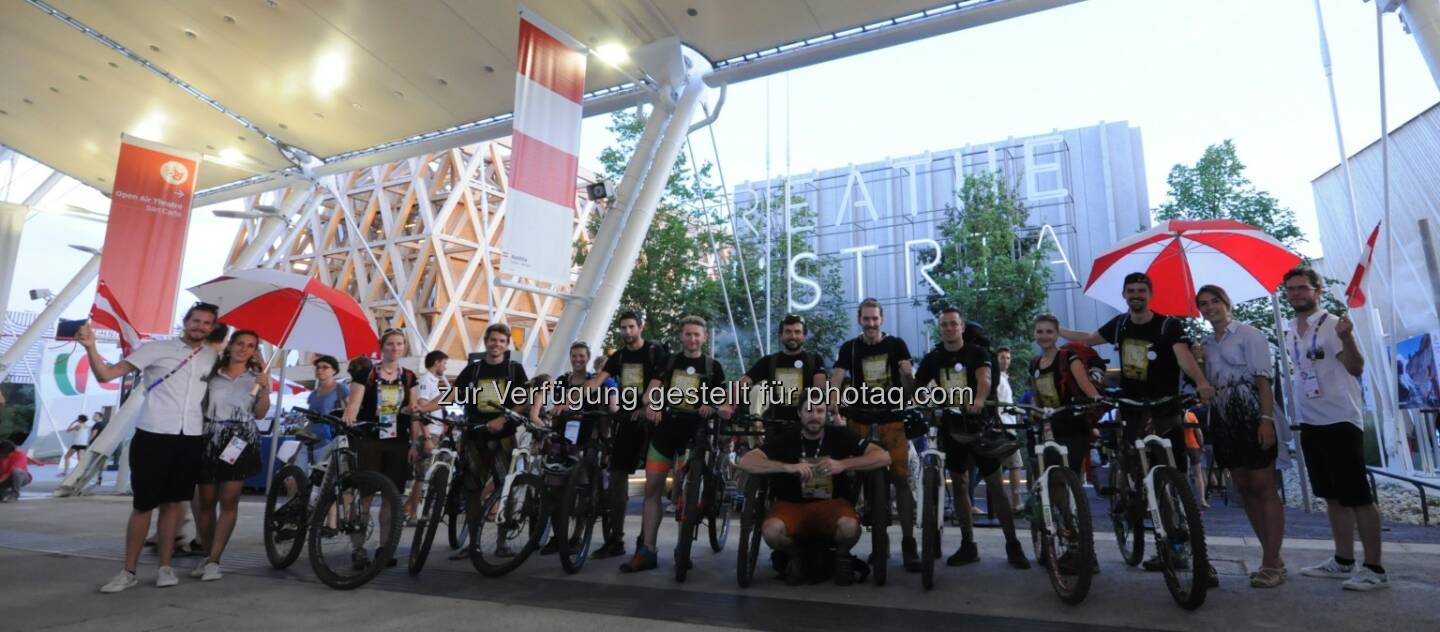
[{"x": 1187, "y": 73}]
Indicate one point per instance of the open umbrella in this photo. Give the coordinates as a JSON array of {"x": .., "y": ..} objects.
[
  {"x": 1180, "y": 256},
  {"x": 290, "y": 311}
]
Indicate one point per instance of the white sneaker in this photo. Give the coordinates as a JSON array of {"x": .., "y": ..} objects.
[
  {"x": 1366, "y": 580},
  {"x": 125, "y": 579},
  {"x": 1329, "y": 569},
  {"x": 166, "y": 577},
  {"x": 212, "y": 572},
  {"x": 199, "y": 570}
]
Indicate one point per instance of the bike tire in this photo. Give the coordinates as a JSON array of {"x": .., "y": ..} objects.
[
  {"x": 432, "y": 512},
  {"x": 1126, "y": 515},
  {"x": 457, "y": 515},
  {"x": 690, "y": 521},
  {"x": 1185, "y": 528},
  {"x": 752, "y": 516},
  {"x": 930, "y": 526},
  {"x": 879, "y": 527},
  {"x": 522, "y": 513},
  {"x": 578, "y": 503},
  {"x": 358, "y": 484},
  {"x": 1071, "y": 515},
  {"x": 719, "y": 503},
  {"x": 286, "y": 516}
]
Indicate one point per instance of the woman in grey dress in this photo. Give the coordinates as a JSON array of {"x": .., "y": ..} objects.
[
  {"x": 238, "y": 393},
  {"x": 1242, "y": 424}
]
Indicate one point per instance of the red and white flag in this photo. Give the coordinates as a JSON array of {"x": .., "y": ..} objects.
[
  {"x": 107, "y": 313},
  {"x": 1354, "y": 294},
  {"x": 544, "y": 152}
]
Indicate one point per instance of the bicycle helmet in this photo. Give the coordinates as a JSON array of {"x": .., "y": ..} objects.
[{"x": 559, "y": 464}]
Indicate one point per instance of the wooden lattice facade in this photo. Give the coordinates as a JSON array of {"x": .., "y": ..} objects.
[{"x": 434, "y": 226}]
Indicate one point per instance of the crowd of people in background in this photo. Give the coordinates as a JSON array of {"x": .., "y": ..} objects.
[{"x": 197, "y": 439}]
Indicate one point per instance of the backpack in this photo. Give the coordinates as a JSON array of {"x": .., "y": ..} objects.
[{"x": 1070, "y": 390}]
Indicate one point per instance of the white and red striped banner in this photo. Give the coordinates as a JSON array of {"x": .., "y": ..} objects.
[
  {"x": 544, "y": 153},
  {"x": 107, "y": 313},
  {"x": 1354, "y": 293}
]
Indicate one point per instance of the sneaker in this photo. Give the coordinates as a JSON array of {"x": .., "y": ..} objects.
[
  {"x": 1329, "y": 569},
  {"x": 212, "y": 572},
  {"x": 166, "y": 577},
  {"x": 462, "y": 554},
  {"x": 844, "y": 569},
  {"x": 199, "y": 570},
  {"x": 968, "y": 553},
  {"x": 909, "y": 555},
  {"x": 609, "y": 549},
  {"x": 643, "y": 560},
  {"x": 1366, "y": 580},
  {"x": 1153, "y": 564},
  {"x": 1212, "y": 578},
  {"x": 122, "y": 581},
  {"x": 1015, "y": 554},
  {"x": 1267, "y": 578}
]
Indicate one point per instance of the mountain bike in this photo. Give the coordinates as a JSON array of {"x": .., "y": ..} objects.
[
  {"x": 708, "y": 486},
  {"x": 511, "y": 523},
  {"x": 444, "y": 493},
  {"x": 580, "y": 497},
  {"x": 873, "y": 506},
  {"x": 1144, "y": 480},
  {"x": 1059, "y": 510},
  {"x": 753, "y": 505}
]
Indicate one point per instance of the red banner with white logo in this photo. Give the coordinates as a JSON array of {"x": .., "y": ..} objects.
[{"x": 145, "y": 237}]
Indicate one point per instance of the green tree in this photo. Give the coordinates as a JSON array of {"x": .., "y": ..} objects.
[
  {"x": 669, "y": 280},
  {"x": 989, "y": 268},
  {"x": 1215, "y": 187}
]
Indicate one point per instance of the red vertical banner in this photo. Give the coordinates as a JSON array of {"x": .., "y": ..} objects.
[{"x": 145, "y": 237}]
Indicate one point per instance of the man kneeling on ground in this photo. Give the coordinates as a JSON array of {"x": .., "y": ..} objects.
[{"x": 811, "y": 498}]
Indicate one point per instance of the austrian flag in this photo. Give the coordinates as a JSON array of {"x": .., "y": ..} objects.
[
  {"x": 545, "y": 150},
  {"x": 1354, "y": 294},
  {"x": 107, "y": 313}
]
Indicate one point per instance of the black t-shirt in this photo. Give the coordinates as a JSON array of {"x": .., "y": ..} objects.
[
  {"x": 686, "y": 377},
  {"x": 789, "y": 446},
  {"x": 787, "y": 374},
  {"x": 952, "y": 370},
  {"x": 1148, "y": 368},
  {"x": 562, "y": 391},
  {"x": 633, "y": 369},
  {"x": 873, "y": 366},
  {"x": 487, "y": 386},
  {"x": 1046, "y": 382},
  {"x": 383, "y": 401}
]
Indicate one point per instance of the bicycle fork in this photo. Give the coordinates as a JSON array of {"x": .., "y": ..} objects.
[{"x": 1143, "y": 447}]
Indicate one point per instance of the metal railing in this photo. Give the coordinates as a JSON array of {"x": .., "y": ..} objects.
[{"x": 1420, "y": 486}]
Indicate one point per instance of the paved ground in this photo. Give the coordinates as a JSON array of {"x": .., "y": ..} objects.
[{"x": 56, "y": 552}]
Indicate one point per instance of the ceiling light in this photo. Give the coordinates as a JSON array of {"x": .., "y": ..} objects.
[
  {"x": 231, "y": 155},
  {"x": 613, "y": 54},
  {"x": 329, "y": 73}
]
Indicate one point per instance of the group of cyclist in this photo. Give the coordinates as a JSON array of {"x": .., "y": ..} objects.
[{"x": 652, "y": 403}]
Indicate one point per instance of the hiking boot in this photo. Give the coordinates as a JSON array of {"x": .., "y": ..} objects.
[
  {"x": 968, "y": 553},
  {"x": 643, "y": 560},
  {"x": 614, "y": 548},
  {"x": 908, "y": 554},
  {"x": 1015, "y": 554}
]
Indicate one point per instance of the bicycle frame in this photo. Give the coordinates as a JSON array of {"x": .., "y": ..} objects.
[
  {"x": 933, "y": 455},
  {"x": 1144, "y": 445}
]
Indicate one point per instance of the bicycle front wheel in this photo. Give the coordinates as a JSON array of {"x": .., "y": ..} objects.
[
  {"x": 359, "y": 514},
  {"x": 457, "y": 524},
  {"x": 508, "y": 528},
  {"x": 1127, "y": 514},
  {"x": 879, "y": 501},
  {"x": 575, "y": 517},
  {"x": 719, "y": 500},
  {"x": 930, "y": 526},
  {"x": 1069, "y": 548},
  {"x": 690, "y": 520},
  {"x": 752, "y": 516},
  {"x": 431, "y": 513},
  {"x": 1187, "y": 564},
  {"x": 286, "y": 505}
]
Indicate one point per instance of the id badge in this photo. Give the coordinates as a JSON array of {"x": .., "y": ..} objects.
[
  {"x": 819, "y": 487},
  {"x": 1309, "y": 383},
  {"x": 572, "y": 431},
  {"x": 233, "y": 450},
  {"x": 387, "y": 426}
]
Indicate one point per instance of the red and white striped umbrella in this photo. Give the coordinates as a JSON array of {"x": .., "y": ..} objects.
[
  {"x": 292, "y": 311},
  {"x": 1182, "y": 255}
]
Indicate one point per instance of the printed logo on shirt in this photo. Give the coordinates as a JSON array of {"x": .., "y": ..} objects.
[
  {"x": 1135, "y": 356},
  {"x": 875, "y": 371}
]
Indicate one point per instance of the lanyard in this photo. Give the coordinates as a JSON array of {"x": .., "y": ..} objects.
[
  {"x": 177, "y": 368},
  {"x": 1314, "y": 333},
  {"x": 818, "y": 443}
]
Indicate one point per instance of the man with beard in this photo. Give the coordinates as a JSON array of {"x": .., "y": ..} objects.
[
  {"x": 786, "y": 374},
  {"x": 877, "y": 362},
  {"x": 633, "y": 365},
  {"x": 1153, "y": 351},
  {"x": 165, "y": 454},
  {"x": 1327, "y": 365},
  {"x": 489, "y": 383}
]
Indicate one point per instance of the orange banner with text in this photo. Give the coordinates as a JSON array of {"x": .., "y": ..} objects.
[{"x": 145, "y": 237}]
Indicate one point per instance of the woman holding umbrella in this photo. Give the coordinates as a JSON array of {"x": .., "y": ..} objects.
[
  {"x": 387, "y": 396},
  {"x": 238, "y": 392}
]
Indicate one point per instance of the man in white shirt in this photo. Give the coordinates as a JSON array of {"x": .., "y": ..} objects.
[
  {"x": 166, "y": 451},
  {"x": 1014, "y": 463},
  {"x": 1326, "y": 390},
  {"x": 428, "y": 392}
]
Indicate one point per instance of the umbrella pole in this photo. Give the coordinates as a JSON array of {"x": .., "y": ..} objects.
[
  {"x": 275, "y": 427},
  {"x": 1290, "y": 401}
]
